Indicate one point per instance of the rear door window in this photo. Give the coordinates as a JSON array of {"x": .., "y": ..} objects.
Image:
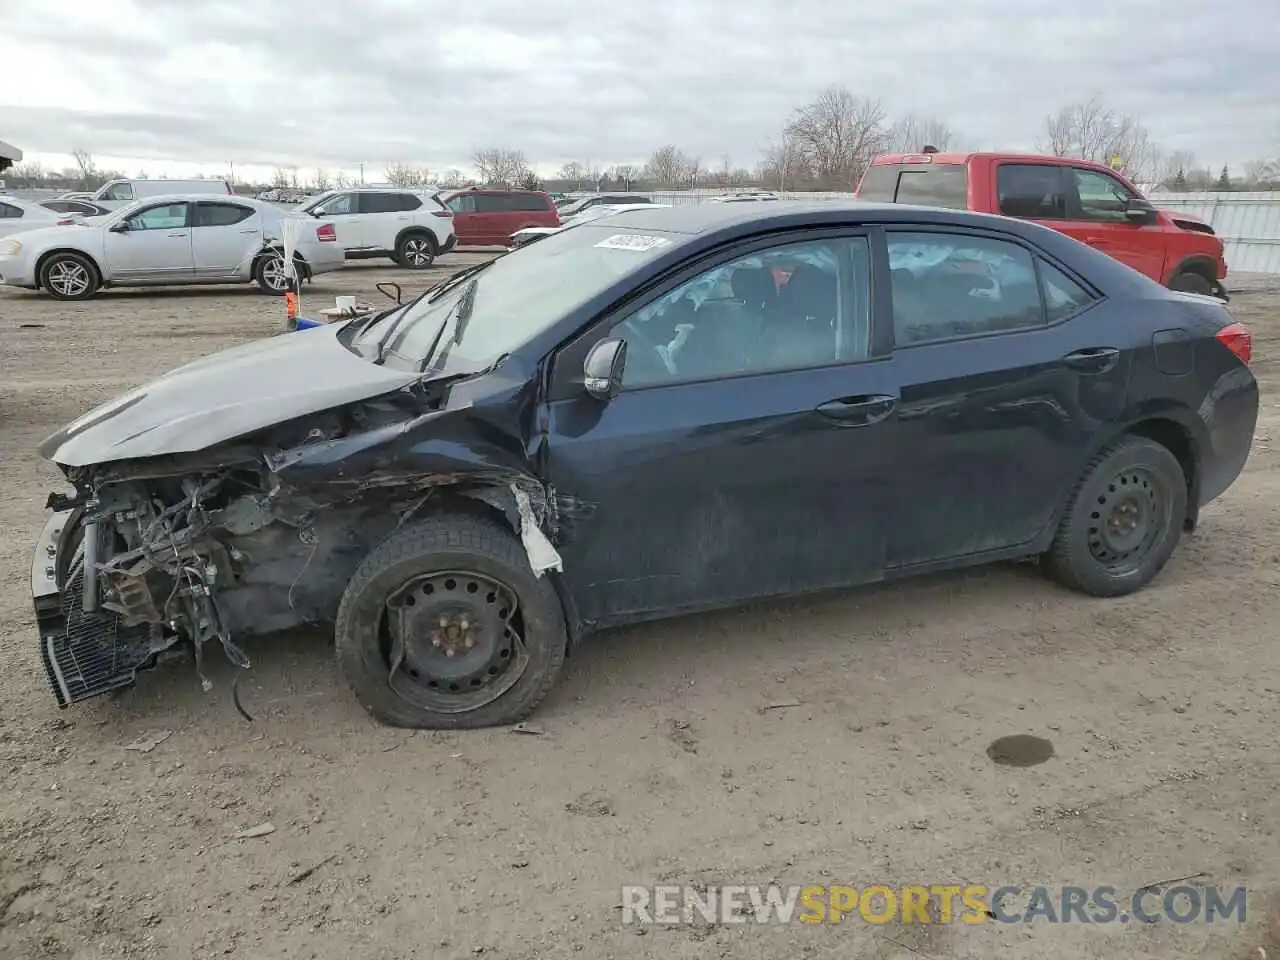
[
  {"x": 221, "y": 214},
  {"x": 1032, "y": 191},
  {"x": 531, "y": 202},
  {"x": 10, "y": 212},
  {"x": 494, "y": 203}
]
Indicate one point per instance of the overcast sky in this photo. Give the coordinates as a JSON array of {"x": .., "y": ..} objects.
[{"x": 165, "y": 85}]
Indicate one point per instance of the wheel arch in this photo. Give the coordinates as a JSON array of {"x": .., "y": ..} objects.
[
  {"x": 1201, "y": 264},
  {"x": 274, "y": 248},
  {"x": 1173, "y": 429},
  {"x": 417, "y": 229},
  {"x": 45, "y": 257}
]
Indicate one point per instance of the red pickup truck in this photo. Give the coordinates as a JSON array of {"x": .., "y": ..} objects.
[{"x": 1084, "y": 200}]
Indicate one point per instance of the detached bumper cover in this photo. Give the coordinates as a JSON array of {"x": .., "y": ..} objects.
[{"x": 84, "y": 654}]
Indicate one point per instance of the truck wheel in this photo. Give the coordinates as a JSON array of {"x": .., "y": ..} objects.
[
  {"x": 69, "y": 276},
  {"x": 1189, "y": 282},
  {"x": 416, "y": 251},
  {"x": 445, "y": 626},
  {"x": 1123, "y": 520}
]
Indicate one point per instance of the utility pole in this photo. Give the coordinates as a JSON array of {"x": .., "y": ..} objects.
[
  {"x": 232, "y": 164},
  {"x": 362, "y": 173}
]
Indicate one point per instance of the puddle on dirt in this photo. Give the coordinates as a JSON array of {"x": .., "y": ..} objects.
[{"x": 1020, "y": 750}]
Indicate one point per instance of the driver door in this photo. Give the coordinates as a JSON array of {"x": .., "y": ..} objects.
[
  {"x": 154, "y": 247},
  {"x": 748, "y": 453},
  {"x": 343, "y": 211}
]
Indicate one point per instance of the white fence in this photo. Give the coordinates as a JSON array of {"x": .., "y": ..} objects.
[{"x": 1248, "y": 223}]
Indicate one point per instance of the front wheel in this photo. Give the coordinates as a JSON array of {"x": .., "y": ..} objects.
[
  {"x": 1123, "y": 521},
  {"x": 445, "y": 626},
  {"x": 69, "y": 276},
  {"x": 270, "y": 273}
]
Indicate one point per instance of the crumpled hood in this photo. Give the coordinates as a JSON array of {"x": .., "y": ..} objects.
[{"x": 223, "y": 396}]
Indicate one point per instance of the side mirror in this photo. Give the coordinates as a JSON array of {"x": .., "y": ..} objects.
[
  {"x": 121, "y": 227},
  {"x": 602, "y": 370},
  {"x": 1138, "y": 210}
]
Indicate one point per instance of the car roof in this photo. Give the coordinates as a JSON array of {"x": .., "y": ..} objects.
[{"x": 697, "y": 218}]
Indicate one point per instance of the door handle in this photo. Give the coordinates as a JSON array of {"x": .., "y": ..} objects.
[
  {"x": 177, "y": 235},
  {"x": 1097, "y": 241},
  {"x": 858, "y": 411},
  {"x": 248, "y": 231},
  {"x": 1093, "y": 359}
]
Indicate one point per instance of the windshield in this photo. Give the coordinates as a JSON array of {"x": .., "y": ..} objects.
[
  {"x": 316, "y": 201},
  {"x": 518, "y": 296}
]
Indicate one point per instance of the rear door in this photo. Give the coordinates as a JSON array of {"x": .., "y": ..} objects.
[
  {"x": 385, "y": 214},
  {"x": 225, "y": 236},
  {"x": 156, "y": 246},
  {"x": 1007, "y": 376},
  {"x": 466, "y": 219}
]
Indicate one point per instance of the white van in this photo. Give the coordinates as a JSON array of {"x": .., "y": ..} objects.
[{"x": 116, "y": 193}]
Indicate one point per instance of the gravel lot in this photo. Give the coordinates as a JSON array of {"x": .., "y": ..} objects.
[{"x": 664, "y": 756}]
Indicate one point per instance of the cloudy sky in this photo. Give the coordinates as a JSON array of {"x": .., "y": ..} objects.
[{"x": 172, "y": 87}]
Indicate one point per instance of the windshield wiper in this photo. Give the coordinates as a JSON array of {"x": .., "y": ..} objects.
[
  {"x": 460, "y": 315},
  {"x": 440, "y": 289},
  {"x": 380, "y": 351}
]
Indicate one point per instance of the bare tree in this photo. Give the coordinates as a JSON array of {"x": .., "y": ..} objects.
[
  {"x": 691, "y": 171},
  {"x": 667, "y": 166},
  {"x": 571, "y": 172},
  {"x": 1257, "y": 173},
  {"x": 280, "y": 178},
  {"x": 403, "y": 175},
  {"x": 453, "y": 178},
  {"x": 321, "y": 180},
  {"x": 85, "y": 167},
  {"x": 626, "y": 175},
  {"x": 499, "y": 165},
  {"x": 294, "y": 182},
  {"x": 593, "y": 174},
  {"x": 1092, "y": 130},
  {"x": 341, "y": 181},
  {"x": 27, "y": 174},
  {"x": 783, "y": 164},
  {"x": 912, "y": 133},
  {"x": 837, "y": 135}
]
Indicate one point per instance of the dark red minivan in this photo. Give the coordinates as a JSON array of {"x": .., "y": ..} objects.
[{"x": 487, "y": 216}]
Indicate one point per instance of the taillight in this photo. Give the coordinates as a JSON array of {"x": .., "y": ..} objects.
[
  {"x": 1237, "y": 338},
  {"x": 326, "y": 233}
]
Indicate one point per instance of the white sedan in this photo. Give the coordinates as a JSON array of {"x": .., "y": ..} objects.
[
  {"x": 19, "y": 215},
  {"x": 178, "y": 239}
]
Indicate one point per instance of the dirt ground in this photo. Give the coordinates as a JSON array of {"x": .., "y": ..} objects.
[{"x": 838, "y": 740}]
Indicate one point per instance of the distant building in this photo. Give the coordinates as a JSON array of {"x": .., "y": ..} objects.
[{"x": 9, "y": 155}]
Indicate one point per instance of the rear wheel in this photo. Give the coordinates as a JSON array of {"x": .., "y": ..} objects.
[
  {"x": 444, "y": 625},
  {"x": 1189, "y": 282},
  {"x": 1123, "y": 521},
  {"x": 69, "y": 276},
  {"x": 416, "y": 251}
]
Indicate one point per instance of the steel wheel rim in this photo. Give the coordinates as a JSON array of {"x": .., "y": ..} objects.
[
  {"x": 456, "y": 642},
  {"x": 1128, "y": 519},
  {"x": 68, "y": 278},
  {"x": 417, "y": 252},
  {"x": 273, "y": 273}
]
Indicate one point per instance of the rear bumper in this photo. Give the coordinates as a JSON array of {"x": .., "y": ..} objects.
[
  {"x": 1230, "y": 414},
  {"x": 84, "y": 654}
]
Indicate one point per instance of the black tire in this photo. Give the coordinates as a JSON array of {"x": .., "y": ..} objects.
[
  {"x": 1144, "y": 479},
  {"x": 268, "y": 272},
  {"x": 415, "y": 251},
  {"x": 450, "y": 549},
  {"x": 69, "y": 276},
  {"x": 1190, "y": 282}
]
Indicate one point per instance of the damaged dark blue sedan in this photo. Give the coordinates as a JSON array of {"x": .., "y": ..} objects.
[{"x": 661, "y": 412}]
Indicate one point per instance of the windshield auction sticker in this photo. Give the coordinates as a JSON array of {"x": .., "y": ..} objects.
[{"x": 633, "y": 241}]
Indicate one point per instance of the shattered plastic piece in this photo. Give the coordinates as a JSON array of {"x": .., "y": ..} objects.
[
  {"x": 148, "y": 742},
  {"x": 261, "y": 830},
  {"x": 542, "y": 555}
]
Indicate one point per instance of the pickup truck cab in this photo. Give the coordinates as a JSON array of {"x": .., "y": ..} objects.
[{"x": 1085, "y": 200}]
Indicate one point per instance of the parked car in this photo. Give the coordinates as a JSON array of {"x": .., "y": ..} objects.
[
  {"x": 409, "y": 227},
  {"x": 19, "y": 215},
  {"x": 84, "y": 208},
  {"x": 635, "y": 419},
  {"x": 487, "y": 217},
  {"x": 1084, "y": 200},
  {"x": 115, "y": 194},
  {"x": 183, "y": 239},
  {"x": 578, "y": 204},
  {"x": 750, "y": 196},
  {"x": 531, "y": 234}
]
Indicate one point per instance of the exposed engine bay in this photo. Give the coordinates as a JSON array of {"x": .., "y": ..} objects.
[{"x": 253, "y": 536}]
